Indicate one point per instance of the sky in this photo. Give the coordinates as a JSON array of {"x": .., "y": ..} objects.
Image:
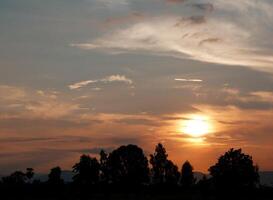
[{"x": 79, "y": 76}]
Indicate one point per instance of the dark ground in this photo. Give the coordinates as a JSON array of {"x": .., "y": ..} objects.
[{"x": 156, "y": 193}]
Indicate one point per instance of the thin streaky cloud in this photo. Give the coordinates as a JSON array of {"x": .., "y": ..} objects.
[
  {"x": 188, "y": 80},
  {"x": 108, "y": 79},
  {"x": 81, "y": 84}
]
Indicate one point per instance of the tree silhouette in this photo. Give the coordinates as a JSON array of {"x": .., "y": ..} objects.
[
  {"x": 29, "y": 174},
  {"x": 163, "y": 170},
  {"x": 87, "y": 170},
  {"x": 171, "y": 173},
  {"x": 187, "y": 177},
  {"x": 16, "y": 178},
  {"x": 234, "y": 169},
  {"x": 128, "y": 165},
  {"x": 159, "y": 161},
  {"x": 54, "y": 177},
  {"x": 104, "y": 170}
]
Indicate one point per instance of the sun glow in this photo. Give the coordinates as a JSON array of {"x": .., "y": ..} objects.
[{"x": 196, "y": 126}]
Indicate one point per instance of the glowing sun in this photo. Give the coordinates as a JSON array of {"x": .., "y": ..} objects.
[{"x": 196, "y": 126}]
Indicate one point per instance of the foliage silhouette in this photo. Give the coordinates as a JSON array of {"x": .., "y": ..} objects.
[
  {"x": 54, "y": 177},
  {"x": 29, "y": 174},
  {"x": 16, "y": 178},
  {"x": 171, "y": 173},
  {"x": 128, "y": 166},
  {"x": 187, "y": 177},
  {"x": 163, "y": 170},
  {"x": 104, "y": 169},
  {"x": 125, "y": 171},
  {"x": 19, "y": 177},
  {"x": 87, "y": 171},
  {"x": 159, "y": 161},
  {"x": 234, "y": 169}
]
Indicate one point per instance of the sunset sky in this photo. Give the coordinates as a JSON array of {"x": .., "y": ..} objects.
[{"x": 80, "y": 75}]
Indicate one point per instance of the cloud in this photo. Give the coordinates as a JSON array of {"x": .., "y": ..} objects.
[
  {"x": 188, "y": 80},
  {"x": 20, "y": 102},
  {"x": 204, "y": 6},
  {"x": 263, "y": 96},
  {"x": 11, "y": 93},
  {"x": 117, "y": 78},
  {"x": 231, "y": 91},
  {"x": 224, "y": 35},
  {"x": 51, "y": 109},
  {"x": 252, "y": 100},
  {"x": 81, "y": 84},
  {"x": 139, "y": 121},
  {"x": 24, "y": 139},
  {"x": 108, "y": 79},
  {"x": 135, "y": 16}
]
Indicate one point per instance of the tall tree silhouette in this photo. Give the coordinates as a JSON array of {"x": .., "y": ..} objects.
[
  {"x": 159, "y": 161},
  {"x": 104, "y": 170},
  {"x": 128, "y": 165},
  {"x": 29, "y": 174},
  {"x": 171, "y": 173},
  {"x": 234, "y": 169},
  {"x": 163, "y": 170},
  {"x": 187, "y": 177},
  {"x": 87, "y": 170},
  {"x": 54, "y": 177}
]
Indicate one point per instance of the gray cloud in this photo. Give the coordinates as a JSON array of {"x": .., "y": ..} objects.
[
  {"x": 204, "y": 6},
  {"x": 226, "y": 36},
  {"x": 108, "y": 79},
  {"x": 139, "y": 121},
  {"x": 24, "y": 139}
]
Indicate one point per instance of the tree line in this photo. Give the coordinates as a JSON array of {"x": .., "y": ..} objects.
[{"x": 128, "y": 166}]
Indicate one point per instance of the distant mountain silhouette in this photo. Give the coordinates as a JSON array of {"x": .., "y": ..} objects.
[
  {"x": 66, "y": 176},
  {"x": 199, "y": 175},
  {"x": 266, "y": 178}
]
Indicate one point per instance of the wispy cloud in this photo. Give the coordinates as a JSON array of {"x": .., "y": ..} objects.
[
  {"x": 81, "y": 84},
  {"x": 20, "y": 102},
  {"x": 51, "y": 109},
  {"x": 108, "y": 79},
  {"x": 188, "y": 80},
  {"x": 10, "y": 93},
  {"x": 224, "y": 35},
  {"x": 264, "y": 96}
]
